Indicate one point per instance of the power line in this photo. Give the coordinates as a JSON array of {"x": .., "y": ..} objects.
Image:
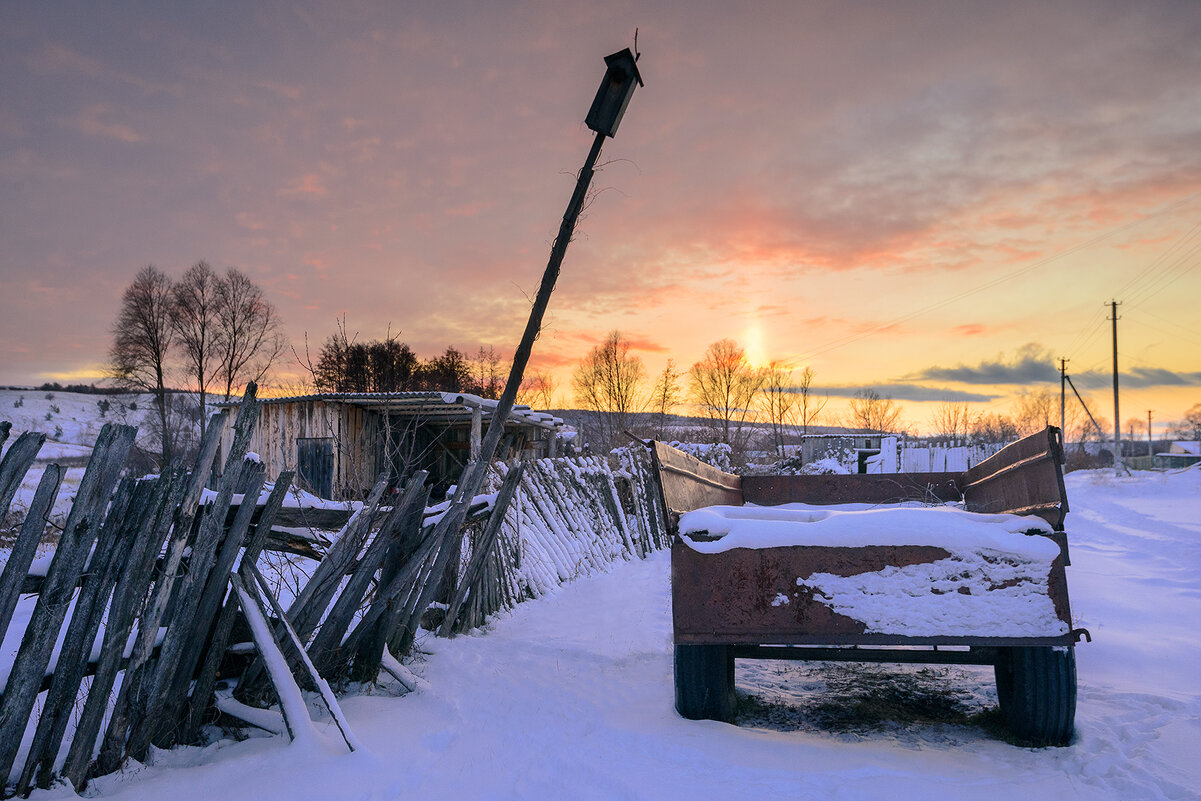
[
  {"x": 1125, "y": 290},
  {"x": 1182, "y": 333}
]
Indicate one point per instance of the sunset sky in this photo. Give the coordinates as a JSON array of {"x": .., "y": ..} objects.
[{"x": 932, "y": 199}]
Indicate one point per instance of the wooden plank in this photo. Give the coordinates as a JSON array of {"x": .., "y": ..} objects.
[
  {"x": 323, "y": 690},
  {"x": 310, "y": 605},
  {"x": 130, "y": 590},
  {"x": 26, "y": 545},
  {"x": 25, "y": 679},
  {"x": 138, "y": 683},
  {"x": 369, "y": 645},
  {"x": 402, "y": 586},
  {"x": 114, "y": 539},
  {"x": 484, "y": 548},
  {"x": 206, "y": 681},
  {"x": 208, "y": 606},
  {"x": 326, "y": 649},
  {"x": 157, "y": 721},
  {"x": 15, "y": 465},
  {"x": 291, "y": 702}
]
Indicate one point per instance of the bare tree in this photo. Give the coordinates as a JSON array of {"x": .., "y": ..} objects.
[
  {"x": 809, "y": 408},
  {"x": 1190, "y": 427},
  {"x": 872, "y": 412},
  {"x": 608, "y": 385},
  {"x": 993, "y": 428},
  {"x": 665, "y": 396},
  {"x": 1035, "y": 410},
  {"x": 489, "y": 372},
  {"x": 195, "y": 309},
  {"x": 250, "y": 336},
  {"x": 951, "y": 419},
  {"x": 142, "y": 340},
  {"x": 778, "y": 400},
  {"x": 538, "y": 390},
  {"x": 725, "y": 386}
]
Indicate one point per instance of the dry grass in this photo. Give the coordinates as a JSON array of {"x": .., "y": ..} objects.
[{"x": 866, "y": 700}]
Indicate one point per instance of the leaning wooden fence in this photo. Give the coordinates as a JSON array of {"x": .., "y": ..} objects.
[{"x": 154, "y": 588}]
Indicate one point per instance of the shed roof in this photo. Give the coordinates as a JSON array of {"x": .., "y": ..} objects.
[{"x": 430, "y": 405}]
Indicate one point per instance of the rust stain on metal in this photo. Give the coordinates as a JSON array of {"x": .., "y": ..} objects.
[{"x": 760, "y": 593}]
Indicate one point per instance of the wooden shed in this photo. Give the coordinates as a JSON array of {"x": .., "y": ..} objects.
[{"x": 339, "y": 442}]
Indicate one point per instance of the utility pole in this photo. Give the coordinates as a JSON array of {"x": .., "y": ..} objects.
[
  {"x": 1117, "y": 418},
  {"x": 1063, "y": 371},
  {"x": 1150, "y": 447}
]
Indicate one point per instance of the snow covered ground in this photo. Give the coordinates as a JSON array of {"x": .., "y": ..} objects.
[{"x": 571, "y": 697}]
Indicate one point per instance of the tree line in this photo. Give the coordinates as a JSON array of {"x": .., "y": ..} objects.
[
  {"x": 734, "y": 397},
  {"x": 345, "y": 364},
  {"x": 739, "y": 401}
]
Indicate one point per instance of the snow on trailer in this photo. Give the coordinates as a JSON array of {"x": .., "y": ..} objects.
[{"x": 824, "y": 580}]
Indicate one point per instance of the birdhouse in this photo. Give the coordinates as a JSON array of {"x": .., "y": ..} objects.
[{"x": 614, "y": 94}]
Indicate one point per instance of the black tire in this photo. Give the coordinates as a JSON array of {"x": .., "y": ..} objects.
[
  {"x": 705, "y": 682},
  {"x": 1036, "y": 688}
]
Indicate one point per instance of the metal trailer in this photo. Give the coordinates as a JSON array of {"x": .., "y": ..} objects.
[{"x": 721, "y": 606}]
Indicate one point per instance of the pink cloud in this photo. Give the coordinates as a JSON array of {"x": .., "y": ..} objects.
[{"x": 94, "y": 121}]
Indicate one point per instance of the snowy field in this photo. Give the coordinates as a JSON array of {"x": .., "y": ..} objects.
[{"x": 570, "y": 697}]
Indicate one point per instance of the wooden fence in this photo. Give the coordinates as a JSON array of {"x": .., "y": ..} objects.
[{"x": 150, "y": 591}]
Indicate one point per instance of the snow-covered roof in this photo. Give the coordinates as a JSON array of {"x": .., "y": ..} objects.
[
  {"x": 1185, "y": 446},
  {"x": 429, "y": 404}
]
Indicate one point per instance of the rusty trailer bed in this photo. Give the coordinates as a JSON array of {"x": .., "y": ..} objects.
[{"x": 759, "y": 602}]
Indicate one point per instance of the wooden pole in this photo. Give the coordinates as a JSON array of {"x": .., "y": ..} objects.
[
  {"x": 1117, "y": 420},
  {"x": 473, "y": 477}
]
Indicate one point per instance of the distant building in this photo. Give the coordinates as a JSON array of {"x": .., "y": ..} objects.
[
  {"x": 1180, "y": 454},
  {"x": 338, "y": 443},
  {"x": 850, "y": 449}
]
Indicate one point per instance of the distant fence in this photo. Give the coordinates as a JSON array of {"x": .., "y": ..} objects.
[
  {"x": 152, "y": 591},
  {"x": 898, "y": 456}
]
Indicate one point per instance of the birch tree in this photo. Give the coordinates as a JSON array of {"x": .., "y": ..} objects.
[
  {"x": 607, "y": 384},
  {"x": 724, "y": 385},
  {"x": 875, "y": 413}
]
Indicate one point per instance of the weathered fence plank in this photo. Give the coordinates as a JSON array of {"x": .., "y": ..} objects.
[
  {"x": 206, "y": 681},
  {"x": 483, "y": 549},
  {"x": 368, "y": 645},
  {"x": 326, "y": 649},
  {"x": 327, "y": 695},
  {"x": 128, "y": 594},
  {"x": 131, "y": 701},
  {"x": 291, "y": 702},
  {"x": 29, "y": 668},
  {"x": 208, "y": 605},
  {"x": 98, "y": 580},
  {"x": 26, "y": 546},
  {"x": 15, "y": 465},
  {"x": 159, "y": 719}
]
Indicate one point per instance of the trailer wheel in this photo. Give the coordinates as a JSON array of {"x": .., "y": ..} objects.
[
  {"x": 705, "y": 682},
  {"x": 1036, "y": 688}
]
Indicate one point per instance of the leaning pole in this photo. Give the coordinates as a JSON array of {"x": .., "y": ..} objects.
[{"x": 616, "y": 89}]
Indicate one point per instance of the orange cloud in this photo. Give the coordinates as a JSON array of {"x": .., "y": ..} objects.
[{"x": 308, "y": 185}]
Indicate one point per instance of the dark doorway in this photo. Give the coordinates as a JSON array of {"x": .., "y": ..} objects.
[{"x": 315, "y": 465}]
